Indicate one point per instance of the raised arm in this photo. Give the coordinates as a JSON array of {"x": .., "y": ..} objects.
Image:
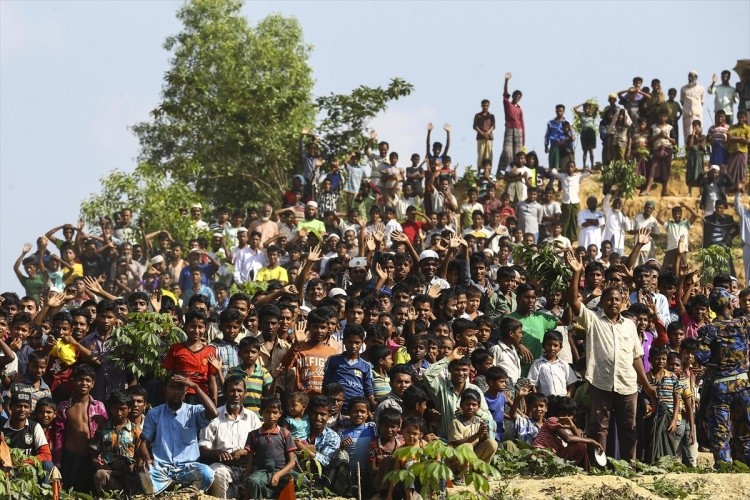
[
  {"x": 447, "y": 129},
  {"x": 19, "y": 260},
  {"x": 643, "y": 236},
  {"x": 574, "y": 299},
  {"x": 427, "y": 141}
]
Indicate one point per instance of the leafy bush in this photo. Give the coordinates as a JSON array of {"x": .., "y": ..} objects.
[
  {"x": 430, "y": 469},
  {"x": 250, "y": 287},
  {"x": 544, "y": 266},
  {"x": 530, "y": 461},
  {"x": 713, "y": 260},
  {"x": 625, "y": 175},
  {"x": 140, "y": 345}
]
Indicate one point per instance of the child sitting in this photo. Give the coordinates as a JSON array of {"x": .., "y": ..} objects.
[
  {"x": 296, "y": 420},
  {"x": 270, "y": 459},
  {"x": 527, "y": 427},
  {"x": 358, "y": 435},
  {"x": 468, "y": 428},
  {"x": 113, "y": 446},
  {"x": 495, "y": 397},
  {"x": 560, "y": 428},
  {"x": 380, "y": 454},
  {"x": 548, "y": 374}
]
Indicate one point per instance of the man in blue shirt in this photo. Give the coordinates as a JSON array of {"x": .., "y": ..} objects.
[
  {"x": 171, "y": 430},
  {"x": 554, "y": 139}
]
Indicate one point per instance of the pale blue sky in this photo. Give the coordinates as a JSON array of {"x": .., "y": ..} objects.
[{"x": 75, "y": 75}]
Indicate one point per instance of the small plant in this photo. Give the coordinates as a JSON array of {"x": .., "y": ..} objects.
[
  {"x": 249, "y": 287},
  {"x": 625, "y": 175},
  {"x": 545, "y": 266},
  {"x": 713, "y": 260},
  {"x": 428, "y": 467},
  {"x": 26, "y": 481},
  {"x": 671, "y": 489},
  {"x": 624, "y": 492},
  {"x": 140, "y": 345}
]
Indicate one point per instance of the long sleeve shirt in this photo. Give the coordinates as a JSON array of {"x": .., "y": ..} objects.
[{"x": 443, "y": 393}]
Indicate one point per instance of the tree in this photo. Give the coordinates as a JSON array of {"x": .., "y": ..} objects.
[
  {"x": 147, "y": 192},
  {"x": 233, "y": 103},
  {"x": 346, "y": 116}
]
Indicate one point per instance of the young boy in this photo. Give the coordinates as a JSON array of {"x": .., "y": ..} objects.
[
  {"x": 685, "y": 433},
  {"x": 308, "y": 356},
  {"x": 31, "y": 381},
  {"x": 473, "y": 301},
  {"x": 273, "y": 271},
  {"x": 481, "y": 361},
  {"x": 469, "y": 428},
  {"x": 548, "y": 374},
  {"x": 25, "y": 434},
  {"x": 527, "y": 427},
  {"x": 495, "y": 397},
  {"x": 270, "y": 454},
  {"x": 78, "y": 419},
  {"x": 381, "y": 358},
  {"x": 414, "y": 353},
  {"x": 258, "y": 382},
  {"x": 113, "y": 446},
  {"x": 44, "y": 415},
  {"x": 380, "y": 454},
  {"x": 661, "y": 422},
  {"x": 411, "y": 433},
  {"x": 349, "y": 370},
  {"x": 227, "y": 348},
  {"x": 358, "y": 435},
  {"x": 505, "y": 352}
]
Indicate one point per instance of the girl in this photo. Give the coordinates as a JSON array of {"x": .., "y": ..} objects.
[
  {"x": 661, "y": 153},
  {"x": 696, "y": 146},
  {"x": 718, "y": 135},
  {"x": 639, "y": 150}
]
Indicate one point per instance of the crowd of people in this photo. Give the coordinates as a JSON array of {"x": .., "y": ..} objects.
[{"x": 392, "y": 314}]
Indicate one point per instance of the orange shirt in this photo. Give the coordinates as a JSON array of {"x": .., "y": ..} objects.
[{"x": 193, "y": 365}]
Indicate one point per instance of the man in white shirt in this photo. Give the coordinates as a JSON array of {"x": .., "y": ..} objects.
[
  {"x": 616, "y": 224},
  {"x": 247, "y": 258},
  {"x": 222, "y": 443},
  {"x": 570, "y": 202},
  {"x": 646, "y": 220},
  {"x": 691, "y": 98},
  {"x": 529, "y": 214},
  {"x": 645, "y": 292},
  {"x": 590, "y": 224},
  {"x": 516, "y": 178},
  {"x": 726, "y": 95}
]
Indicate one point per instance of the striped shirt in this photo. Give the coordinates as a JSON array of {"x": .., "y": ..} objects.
[
  {"x": 257, "y": 382},
  {"x": 228, "y": 352},
  {"x": 547, "y": 436}
]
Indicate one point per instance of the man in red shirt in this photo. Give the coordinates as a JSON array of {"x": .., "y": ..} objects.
[{"x": 515, "y": 131}]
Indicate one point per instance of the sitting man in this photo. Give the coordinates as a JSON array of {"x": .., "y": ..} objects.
[
  {"x": 171, "y": 432},
  {"x": 222, "y": 443}
]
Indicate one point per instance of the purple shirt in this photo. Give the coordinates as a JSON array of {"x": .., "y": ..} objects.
[{"x": 97, "y": 415}]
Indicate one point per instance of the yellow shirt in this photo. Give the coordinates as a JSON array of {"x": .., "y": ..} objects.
[
  {"x": 268, "y": 274},
  {"x": 738, "y": 130}
]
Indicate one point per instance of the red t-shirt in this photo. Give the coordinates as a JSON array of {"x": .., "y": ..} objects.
[{"x": 192, "y": 364}]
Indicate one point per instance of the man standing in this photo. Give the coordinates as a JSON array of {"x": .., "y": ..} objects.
[
  {"x": 247, "y": 258},
  {"x": 590, "y": 224},
  {"x": 484, "y": 125},
  {"x": 515, "y": 131},
  {"x": 168, "y": 450},
  {"x": 646, "y": 220},
  {"x": 267, "y": 228},
  {"x": 614, "y": 364},
  {"x": 222, "y": 443},
  {"x": 691, "y": 98},
  {"x": 554, "y": 139},
  {"x": 723, "y": 344},
  {"x": 726, "y": 95}
]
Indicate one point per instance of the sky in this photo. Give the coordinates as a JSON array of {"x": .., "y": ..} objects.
[{"x": 75, "y": 75}]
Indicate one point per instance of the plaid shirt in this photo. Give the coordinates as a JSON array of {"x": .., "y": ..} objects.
[{"x": 228, "y": 352}]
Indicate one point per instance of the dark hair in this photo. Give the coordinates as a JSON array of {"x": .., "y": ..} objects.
[
  {"x": 48, "y": 402},
  {"x": 552, "y": 335},
  {"x": 404, "y": 368},
  {"x": 533, "y": 397},
  {"x": 332, "y": 389},
  {"x": 84, "y": 370},
  {"x": 508, "y": 325},
  {"x": 298, "y": 396},
  {"x": 233, "y": 380},
  {"x": 479, "y": 356},
  {"x": 357, "y": 400},
  {"x": 120, "y": 397},
  {"x": 25, "y": 318},
  {"x": 377, "y": 352},
  {"x": 229, "y": 314},
  {"x": 252, "y": 342},
  {"x": 657, "y": 351},
  {"x": 471, "y": 394},
  {"x": 561, "y": 406},
  {"x": 414, "y": 340},
  {"x": 198, "y": 297},
  {"x": 195, "y": 314},
  {"x": 464, "y": 361},
  {"x": 415, "y": 421},
  {"x": 62, "y": 316},
  {"x": 319, "y": 402},
  {"x": 272, "y": 401},
  {"x": 689, "y": 345},
  {"x": 239, "y": 296},
  {"x": 35, "y": 356},
  {"x": 138, "y": 390},
  {"x": 495, "y": 373},
  {"x": 352, "y": 330},
  {"x": 390, "y": 416}
]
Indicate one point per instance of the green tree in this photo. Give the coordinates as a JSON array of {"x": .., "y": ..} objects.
[
  {"x": 233, "y": 102},
  {"x": 150, "y": 194},
  {"x": 346, "y": 116}
]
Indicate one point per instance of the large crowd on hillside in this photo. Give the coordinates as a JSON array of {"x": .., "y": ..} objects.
[{"x": 393, "y": 314}]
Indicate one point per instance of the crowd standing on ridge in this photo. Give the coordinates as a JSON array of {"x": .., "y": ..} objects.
[{"x": 395, "y": 315}]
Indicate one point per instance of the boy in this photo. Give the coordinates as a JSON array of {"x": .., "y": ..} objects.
[
  {"x": 527, "y": 427},
  {"x": 113, "y": 446},
  {"x": 505, "y": 352},
  {"x": 685, "y": 433},
  {"x": 661, "y": 422},
  {"x": 307, "y": 358},
  {"x": 495, "y": 397},
  {"x": 570, "y": 202},
  {"x": 139, "y": 395},
  {"x": 353, "y": 373},
  {"x": 411, "y": 433},
  {"x": 273, "y": 271},
  {"x": 78, "y": 419},
  {"x": 31, "y": 381},
  {"x": 227, "y": 349},
  {"x": 22, "y": 433},
  {"x": 473, "y": 301},
  {"x": 258, "y": 381},
  {"x": 548, "y": 374},
  {"x": 503, "y": 302},
  {"x": 358, "y": 435},
  {"x": 44, "y": 415},
  {"x": 380, "y": 454},
  {"x": 469, "y": 428}
]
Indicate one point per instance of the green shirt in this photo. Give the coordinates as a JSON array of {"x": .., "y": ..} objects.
[{"x": 535, "y": 325}]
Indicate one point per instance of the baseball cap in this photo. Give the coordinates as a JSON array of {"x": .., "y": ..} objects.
[
  {"x": 196, "y": 205},
  {"x": 428, "y": 254},
  {"x": 313, "y": 204},
  {"x": 336, "y": 292},
  {"x": 20, "y": 397}
]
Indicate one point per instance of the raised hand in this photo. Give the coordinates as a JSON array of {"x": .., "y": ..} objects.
[
  {"x": 399, "y": 237},
  {"x": 429, "y": 127},
  {"x": 26, "y": 248},
  {"x": 447, "y": 127},
  {"x": 55, "y": 300},
  {"x": 434, "y": 291},
  {"x": 214, "y": 361},
  {"x": 92, "y": 284},
  {"x": 155, "y": 299},
  {"x": 373, "y": 135},
  {"x": 573, "y": 261},
  {"x": 370, "y": 242},
  {"x": 643, "y": 237},
  {"x": 382, "y": 273},
  {"x": 315, "y": 254},
  {"x": 300, "y": 331},
  {"x": 508, "y": 75}
]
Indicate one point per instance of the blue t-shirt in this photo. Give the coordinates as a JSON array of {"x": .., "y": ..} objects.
[
  {"x": 355, "y": 376},
  {"x": 496, "y": 406},
  {"x": 174, "y": 435},
  {"x": 362, "y": 437}
]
